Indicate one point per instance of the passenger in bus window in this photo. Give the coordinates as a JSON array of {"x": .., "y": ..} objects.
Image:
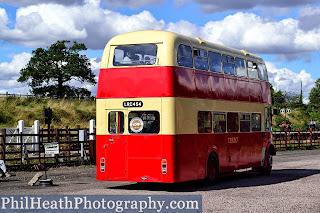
[
  {"x": 128, "y": 58},
  {"x": 147, "y": 60}
]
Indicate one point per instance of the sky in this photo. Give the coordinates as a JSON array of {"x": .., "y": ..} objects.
[{"x": 285, "y": 33}]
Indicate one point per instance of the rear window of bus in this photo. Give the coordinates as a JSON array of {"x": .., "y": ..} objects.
[
  {"x": 133, "y": 55},
  {"x": 144, "y": 122}
]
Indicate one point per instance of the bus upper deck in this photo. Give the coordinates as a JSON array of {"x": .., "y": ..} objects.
[{"x": 171, "y": 65}]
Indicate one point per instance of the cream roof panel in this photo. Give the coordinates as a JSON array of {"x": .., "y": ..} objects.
[{"x": 168, "y": 43}]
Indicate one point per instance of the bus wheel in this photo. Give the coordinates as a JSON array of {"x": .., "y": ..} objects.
[
  {"x": 266, "y": 171},
  {"x": 212, "y": 168}
]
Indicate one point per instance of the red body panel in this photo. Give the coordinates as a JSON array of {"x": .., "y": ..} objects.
[
  {"x": 131, "y": 158},
  {"x": 180, "y": 82},
  {"x": 135, "y": 82}
]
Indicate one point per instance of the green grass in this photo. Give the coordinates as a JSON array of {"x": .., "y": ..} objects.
[{"x": 66, "y": 112}]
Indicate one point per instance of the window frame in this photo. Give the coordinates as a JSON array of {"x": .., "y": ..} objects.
[
  {"x": 258, "y": 128},
  {"x": 211, "y": 53},
  {"x": 178, "y": 59},
  {"x": 245, "y": 120},
  {"x": 228, "y": 62},
  {"x": 117, "y": 123},
  {"x": 225, "y": 122},
  {"x": 144, "y": 133},
  {"x": 140, "y": 62},
  {"x": 245, "y": 67},
  {"x": 252, "y": 69},
  {"x": 205, "y": 129},
  {"x": 237, "y": 120},
  {"x": 198, "y": 56}
]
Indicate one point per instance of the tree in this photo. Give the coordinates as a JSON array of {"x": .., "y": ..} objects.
[
  {"x": 314, "y": 95},
  {"x": 278, "y": 98},
  {"x": 50, "y": 71}
]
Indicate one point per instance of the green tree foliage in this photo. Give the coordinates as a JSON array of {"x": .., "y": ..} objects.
[
  {"x": 50, "y": 70},
  {"x": 278, "y": 99},
  {"x": 314, "y": 95},
  {"x": 291, "y": 99}
]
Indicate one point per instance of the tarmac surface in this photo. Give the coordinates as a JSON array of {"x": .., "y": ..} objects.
[{"x": 293, "y": 186}]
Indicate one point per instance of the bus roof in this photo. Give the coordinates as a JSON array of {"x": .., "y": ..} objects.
[{"x": 173, "y": 39}]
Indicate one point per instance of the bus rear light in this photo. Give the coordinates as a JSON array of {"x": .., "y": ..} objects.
[
  {"x": 164, "y": 166},
  {"x": 102, "y": 165}
]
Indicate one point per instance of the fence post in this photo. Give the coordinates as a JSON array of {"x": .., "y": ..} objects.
[
  {"x": 286, "y": 136},
  {"x": 21, "y": 131},
  {"x": 69, "y": 144},
  {"x": 92, "y": 150},
  {"x": 56, "y": 131},
  {"x": 2, "y": 144},
  {"x": 299, "y": 138},
  {"x": 310, "y": 138},
  {"x": 35, "y": 139},
  {"x": 82, "y": 139}
]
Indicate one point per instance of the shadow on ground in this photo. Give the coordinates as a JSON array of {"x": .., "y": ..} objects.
[{"x": 236, "y": 181}]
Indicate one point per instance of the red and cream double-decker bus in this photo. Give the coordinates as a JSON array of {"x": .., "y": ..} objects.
[{"x": 171, "y": 108}]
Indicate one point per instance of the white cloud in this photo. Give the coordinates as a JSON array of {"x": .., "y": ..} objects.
[
  {"x": 35, "y": 2},
  {"x": 3, "y": 18},
  {"x": 263, "y": 36},
  {"x": 9, "y": 73},
  {"x": 41, "y": 25},
  {"x": 135, "y": 4},
  {"x": 183, "y": 27},
  {"x": 12, "y": 69},
  {"x": 209, "y": 6},
  {"x": 285, "y": 80}
]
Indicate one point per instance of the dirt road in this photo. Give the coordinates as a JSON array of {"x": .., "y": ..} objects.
[{"x": 293, "y": 186}]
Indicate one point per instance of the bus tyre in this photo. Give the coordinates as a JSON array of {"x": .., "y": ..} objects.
[
  {"x": 212, "y": 168},
  {"x": 267, "y": 170}
]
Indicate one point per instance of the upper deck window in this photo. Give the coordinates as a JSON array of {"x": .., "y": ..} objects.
[
  {"x": 241, "y": 67},
  {"x": 200, "y": 59},
  {"x": 262, "y": 71},
  {"x": 215, "y": 62},
  {"x": 133, "y": 55},
  {"x": 228, "y": 65},
  {"x": 185, "y": 56},
  {"x": 252, "y": 70}
]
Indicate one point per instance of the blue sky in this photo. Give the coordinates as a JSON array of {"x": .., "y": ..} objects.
[{"x": 286, "y": 34}]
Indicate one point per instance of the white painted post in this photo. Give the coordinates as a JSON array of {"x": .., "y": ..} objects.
[
  {"x": 21, "y": 131},
  {"x": 35, "y": 139},
  {"x": 82, "y": 138},
  {"x": 92, "y": 126}
]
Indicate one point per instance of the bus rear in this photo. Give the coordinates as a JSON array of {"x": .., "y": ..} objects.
[{"x": 135, "y": 113}]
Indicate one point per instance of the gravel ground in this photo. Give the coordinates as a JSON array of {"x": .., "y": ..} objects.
[{"x": 293, "y": 186}]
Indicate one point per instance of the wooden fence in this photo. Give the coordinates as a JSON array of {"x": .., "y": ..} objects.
[
  {"x": 31, "y": 156},
  {"x": 19, "y": 155},
  {"x": 288, "y": 140}
]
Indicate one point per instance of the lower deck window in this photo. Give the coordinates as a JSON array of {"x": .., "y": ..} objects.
[
  {"x": 244, "y": 122},
  {"x": 219, "y": 122},
  {"x": 256, "y": 122},
  {"x": 204, "y": 122},
  {"x": 116, "y": 122},
  {"x": 232, "y": 122},
  {"x": 144, "y": 122}
]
